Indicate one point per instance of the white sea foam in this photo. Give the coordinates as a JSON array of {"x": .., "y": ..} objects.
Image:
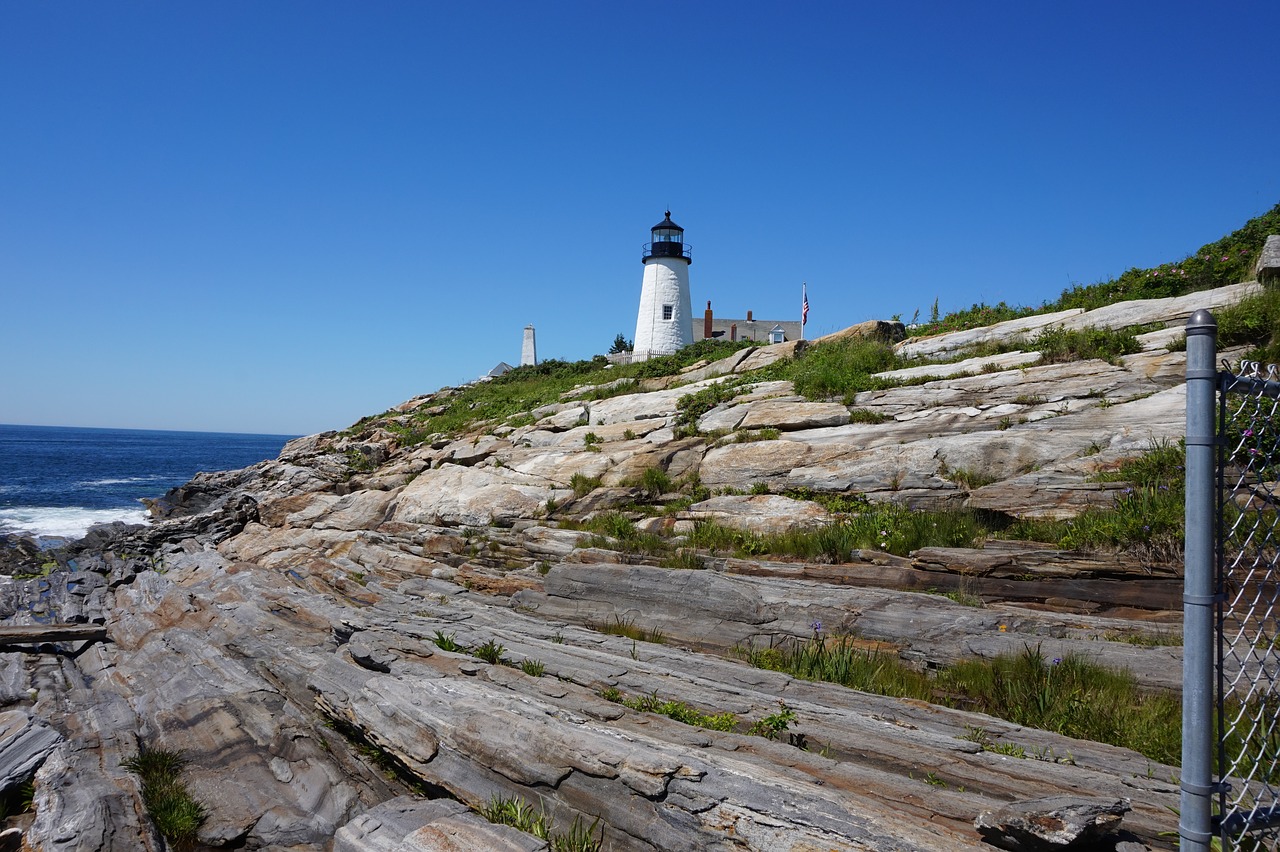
[
  {"x": 127, "y": 480},
  {"x": 67, "y": 522}
]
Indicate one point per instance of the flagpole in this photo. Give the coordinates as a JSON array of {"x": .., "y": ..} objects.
[{"x": 804, "y": 307}]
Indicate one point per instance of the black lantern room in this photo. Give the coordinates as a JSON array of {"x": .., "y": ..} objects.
[{"x": 668, "y": 241}]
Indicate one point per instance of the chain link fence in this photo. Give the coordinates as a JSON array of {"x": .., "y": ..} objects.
[{"x": 1248, "y": 623}]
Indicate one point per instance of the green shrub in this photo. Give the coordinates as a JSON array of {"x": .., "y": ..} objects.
[
  {"x": 774, "y": 725},
  {"x": 533, "y": 668}
]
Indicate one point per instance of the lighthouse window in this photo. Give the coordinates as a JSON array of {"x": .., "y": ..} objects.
[{"x": 667, "y": 311}]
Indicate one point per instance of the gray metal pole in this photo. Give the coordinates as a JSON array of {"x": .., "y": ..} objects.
[{"x": 1195, "y": 822}]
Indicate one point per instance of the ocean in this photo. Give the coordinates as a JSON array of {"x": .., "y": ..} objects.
[{"x": 59, "y": 481}]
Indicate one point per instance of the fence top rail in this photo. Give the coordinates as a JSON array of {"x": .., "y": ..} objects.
[{"x": 1254, "y": 378}]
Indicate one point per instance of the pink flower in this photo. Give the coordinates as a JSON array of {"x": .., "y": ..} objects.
[{"x": 1224, "y": 257}]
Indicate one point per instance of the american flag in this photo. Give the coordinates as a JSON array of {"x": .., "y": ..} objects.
[{"x": 804, "y": 307}]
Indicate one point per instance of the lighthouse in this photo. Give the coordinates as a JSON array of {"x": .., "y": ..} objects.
[{"x": 665, "y": 320}]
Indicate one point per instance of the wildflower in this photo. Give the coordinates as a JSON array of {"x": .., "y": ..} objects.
[
  {"x": 817, "y": 626},
  {"x": 1248, "y": 433},
  {"x": 1057, "y": 660},
  {"x": 1224, "y": 257},
  {"x": 1003, "y": 627}
]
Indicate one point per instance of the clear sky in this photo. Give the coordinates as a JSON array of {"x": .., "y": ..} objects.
[{"x": 281, "y": 216}]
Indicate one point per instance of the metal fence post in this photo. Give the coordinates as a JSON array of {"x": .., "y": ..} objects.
[{"x": 1195, "y": 822}]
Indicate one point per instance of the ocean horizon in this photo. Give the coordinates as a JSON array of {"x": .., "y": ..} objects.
[{"x": 58, "y": 481}]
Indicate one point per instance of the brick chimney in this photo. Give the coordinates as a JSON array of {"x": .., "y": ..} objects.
[
  {"x": 733, "y": 332},
  {"x": 749, "y": 316},
  {"x": 706, "y": 322}
]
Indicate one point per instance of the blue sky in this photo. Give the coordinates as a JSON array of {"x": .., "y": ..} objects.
[{"x": 281, "y": 216}]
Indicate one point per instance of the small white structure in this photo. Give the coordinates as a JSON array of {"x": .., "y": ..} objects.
[
  {"x": 665, "y": 320},
  {"x": 528, "y": 349}
]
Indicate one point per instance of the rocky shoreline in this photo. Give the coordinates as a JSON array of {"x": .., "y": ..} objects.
[{"x": 298, "y": 628}]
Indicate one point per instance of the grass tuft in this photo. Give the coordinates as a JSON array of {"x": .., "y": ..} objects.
[
  {"x": 176, "y": 813},
  {"x": 628, "y": 628}
]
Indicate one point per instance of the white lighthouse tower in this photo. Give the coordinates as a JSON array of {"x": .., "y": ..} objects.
[{"x": 665, "y": 321}]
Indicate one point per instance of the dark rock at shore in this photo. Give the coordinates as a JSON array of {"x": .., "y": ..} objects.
[{"x": 19, "y": 555}]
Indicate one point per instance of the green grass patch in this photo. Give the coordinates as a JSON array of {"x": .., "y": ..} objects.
[
  {"x": 747, "y": 436},
  {"x": 517, "y": 813},
  {"x": 1058, "y": 345},
  {"x": 1254, "y": 321},
  {"x": 683, "y": 559},
  {"x": 583, "y": 485},
  {"x": 1144, "y": 519},
  {"x": 677, "y": 710},
  {"x": 176, "y": 813},
  {"x": 628, "y": 628},
  {"x": 1070, "y": 695},
  {"x": 866, "y": 415},
  {"x": 654, "y": 481},
  {"x": 837, "y": 370},
  {"x": 691, "y": 407},
  {"x": 615, "y": 531}
]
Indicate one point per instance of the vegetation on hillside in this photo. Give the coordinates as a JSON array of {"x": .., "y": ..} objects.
[
  {"x": 509, "y": 397},
  {"x": 1225, "y": 261}
]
